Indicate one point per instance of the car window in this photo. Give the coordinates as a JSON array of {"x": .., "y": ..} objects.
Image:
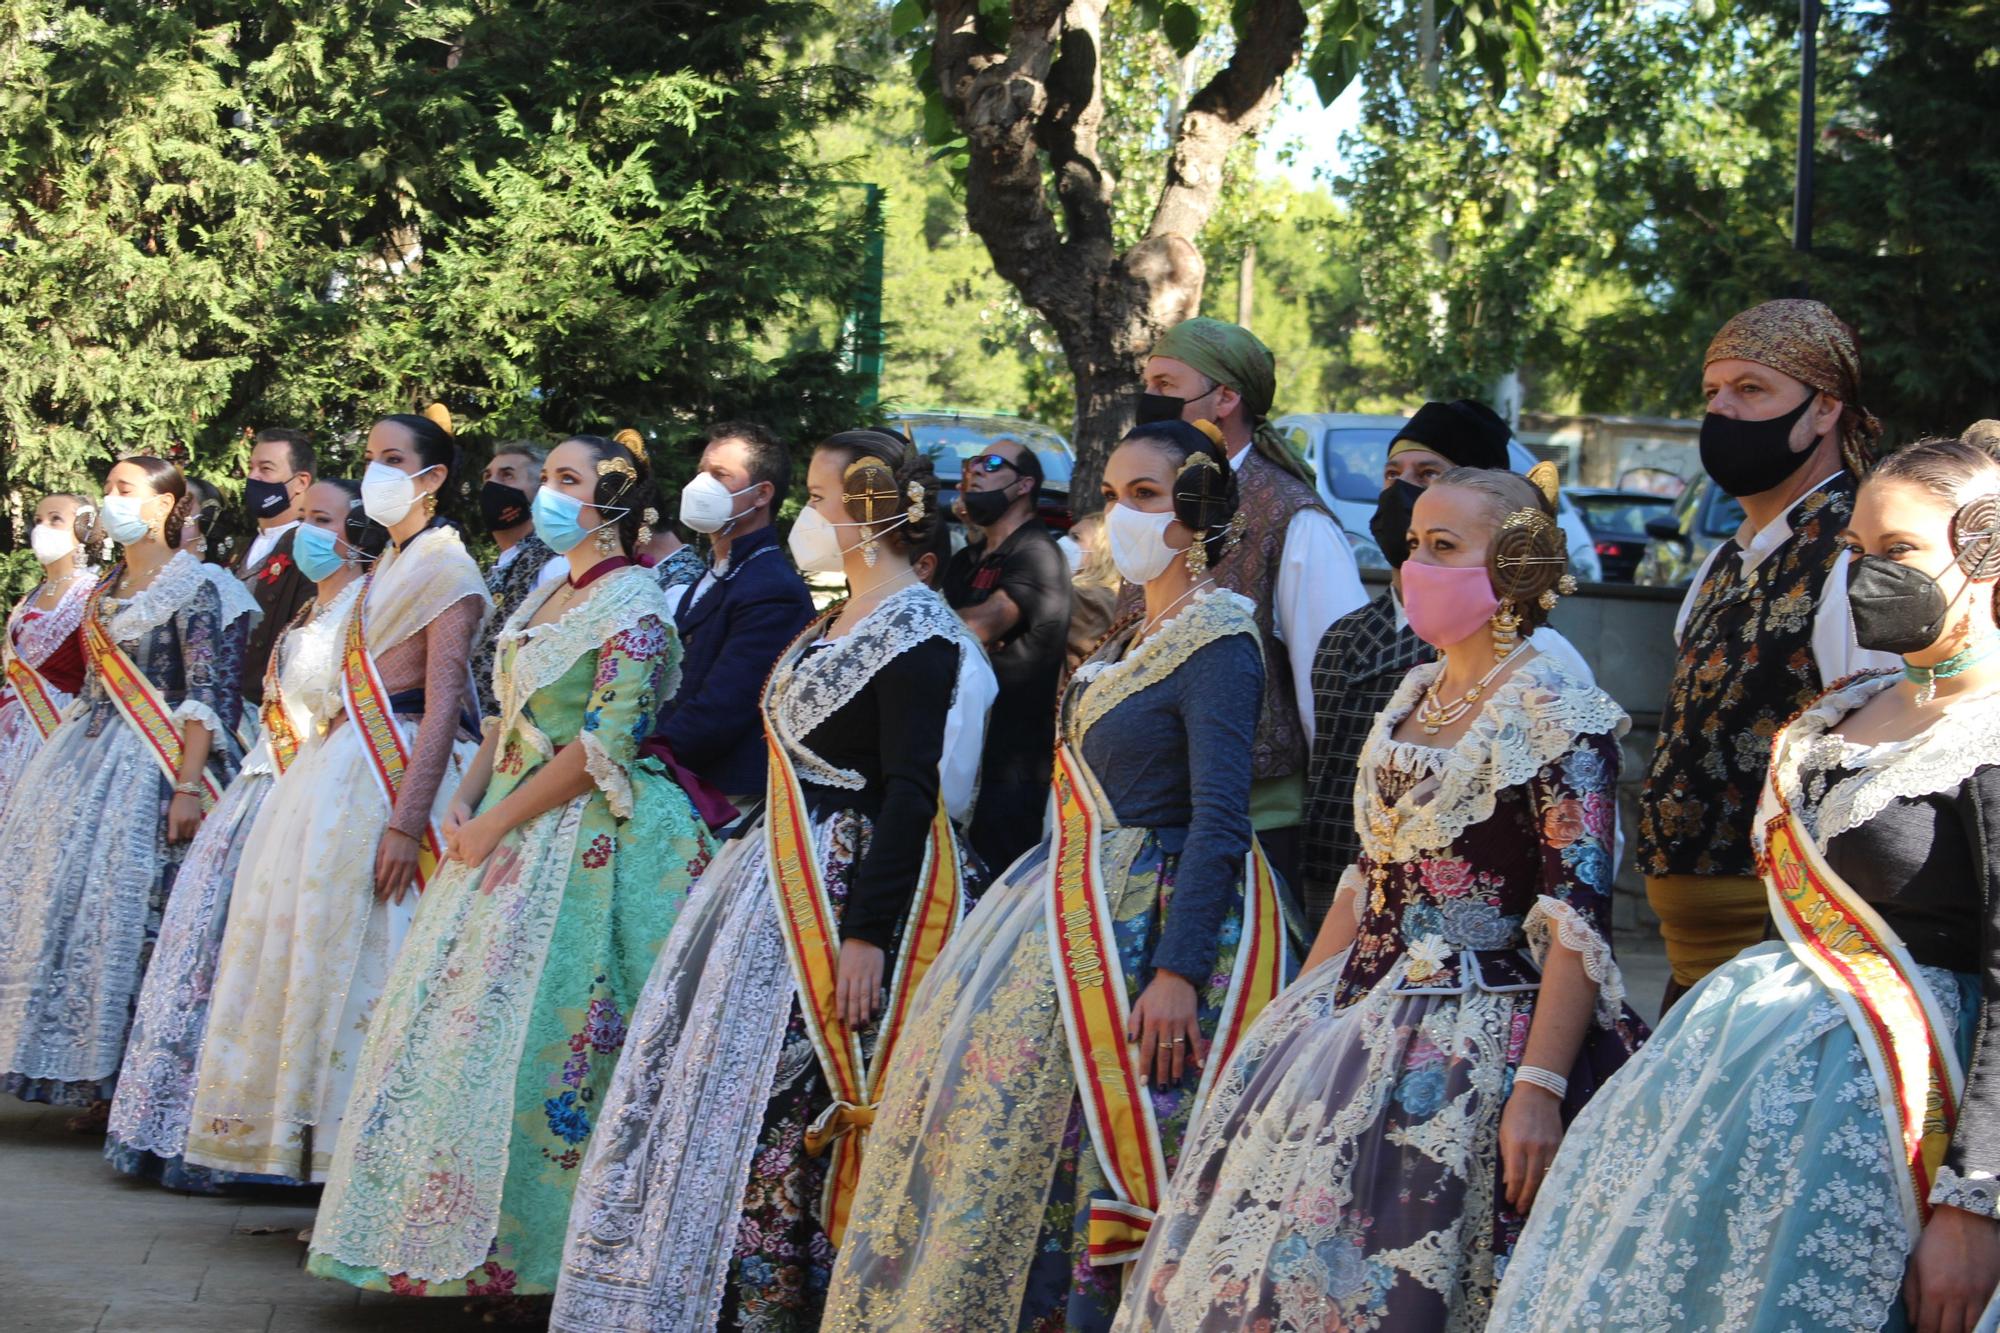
[
  {"x": 1621, "y": 515},
  {"x": 1351, "y": 458},
  {"x": 1725, "y": 514},
  {"x": 949, "y": 443}
]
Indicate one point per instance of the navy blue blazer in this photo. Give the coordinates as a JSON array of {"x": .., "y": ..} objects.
[{"x": 729, "y": 641}]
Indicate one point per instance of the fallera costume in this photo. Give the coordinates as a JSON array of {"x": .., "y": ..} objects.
[
  {"x": 149, "y": 1115},
  {"x": 85, "y": 866},
  {"x": 1769, "y": 1159},
  {"x": 1017, "y": 1142},
  {"x": 1347, "y": 1173},
  {"x": 44, "y": 670},
  {"x": 308, "y": 946},
  {"x": 492, "y": 1048},
  {"x": 700, "y": 1205}
]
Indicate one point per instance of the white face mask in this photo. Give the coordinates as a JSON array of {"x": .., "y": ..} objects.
[
  {"x": 709, "y": 506},
  {"x": 388, "y": 494},
  {"x": 125, "y": 519},
  {"x": 815, "y": 541},
  {"x": 1139, "y": 542},
  {"x": 51, "y": 544}
]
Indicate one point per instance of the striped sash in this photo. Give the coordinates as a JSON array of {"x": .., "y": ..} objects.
[
  {"x": 382, "y": 741},
  {"x": 136, "y": 699}
]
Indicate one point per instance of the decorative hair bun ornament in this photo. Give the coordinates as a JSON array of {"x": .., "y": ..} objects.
[
  {"x": 633, "y": 441},
  {"x": 1210, "y": 429},
  {"x": 440, "y": 416},
  {"x": 1975, "y": 536},
  {"x": 1547, "y": 480}
]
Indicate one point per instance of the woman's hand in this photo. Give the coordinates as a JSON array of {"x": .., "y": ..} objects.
[
  {"x": 183, "y": 817},
  {"x": 477, "y": 837},
  {"x": 1531, "y": 1130},
  {"x": 455, "y": 819},
  {"x": 395, "y": 866},
  {"x": 859, "y": 987},
  {"x": 1164, "y": 1025},
  {"x": 1953, "y": 1272}
]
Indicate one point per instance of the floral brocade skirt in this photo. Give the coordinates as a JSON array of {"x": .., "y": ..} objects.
[
  {"x": 972, "y": 1214},
  {"x": 1737, "y": 1175},
  {"x": 1347, "y": 1175}
]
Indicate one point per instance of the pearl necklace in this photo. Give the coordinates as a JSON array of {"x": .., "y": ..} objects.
[{"x": 1434, "y": 715}]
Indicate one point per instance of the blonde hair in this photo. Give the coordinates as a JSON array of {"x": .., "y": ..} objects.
[{"x": 1098, "y": 570}]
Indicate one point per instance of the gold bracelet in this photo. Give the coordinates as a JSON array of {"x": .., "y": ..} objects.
[{"x": 187, "y": 789}]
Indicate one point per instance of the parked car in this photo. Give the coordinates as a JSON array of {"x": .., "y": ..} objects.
[
  {"x": 949, "y": 436},
  {"x": 1347, "y": 451},
  {"x": 1617, "y": 522},
  {"x": 1703, "y": 518}
]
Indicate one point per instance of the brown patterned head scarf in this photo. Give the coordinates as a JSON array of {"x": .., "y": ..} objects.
[{"x": 1807, "y": 341}]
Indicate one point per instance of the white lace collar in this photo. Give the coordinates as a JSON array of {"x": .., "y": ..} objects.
[
  {"x": 45, "y": 632},
  {"x": 1107, "y": 680},
  {"x": 808, "y": 687},
  {"x": 616, "y": 603},
  {"x": 177, "y": 584},
  {"x": 1536, "y": 715},
  {"x": 1954, "y": 747}
]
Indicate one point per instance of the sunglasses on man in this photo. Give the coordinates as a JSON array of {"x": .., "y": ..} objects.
[{"x": 990, "y": 463}]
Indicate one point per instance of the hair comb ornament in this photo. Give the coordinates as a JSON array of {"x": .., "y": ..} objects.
[
  {"x": 915, "y": 490},
  {"x": 608, "y": 466},
  {"x": 1975, "y": 536},
  {"x": 440, "y": 416},
  {"x": 1210, "y": 429},
  {"x": 633, "y": 441},
  {"x": 1546, "y": 479}
]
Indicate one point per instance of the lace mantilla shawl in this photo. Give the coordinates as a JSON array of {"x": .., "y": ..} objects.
[
  {"x": 45, "y": 633},
  {"x": 177, "y": 583},
  {"x": 1960, "y": 743},
  {"x": 1535, "y": 717},
  {"x": 414, "y": 586},
  {"x": 617, "y": 603},
  {"x": 807, "y": 688},
  {"x": 1106, "y": 680}
]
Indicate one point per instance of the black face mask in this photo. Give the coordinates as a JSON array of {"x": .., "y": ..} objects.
[
  {"x": 1897, "y": 608},
  {"x": 1165, "y": 407},
  {"x": 1751, "y": 457},
  {"x": 502, "y": 506},
  {"x": 266, "y": 499},
  {"x": 984, "y": 508},
  {"x": 1389, "y": 525}
]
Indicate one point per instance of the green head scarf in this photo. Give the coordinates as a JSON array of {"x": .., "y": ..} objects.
[{"x": 1232, "y": 356}]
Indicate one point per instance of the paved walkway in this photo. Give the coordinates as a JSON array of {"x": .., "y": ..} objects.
[{"x": 85, "y": 1250}]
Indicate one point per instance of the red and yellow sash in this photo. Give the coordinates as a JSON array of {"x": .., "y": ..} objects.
[
  {"x": 812, "y": 945},
  {"x": 381, "y": 739},
  {"x": 1090, "y": 983},
  {"x": 137, "y": 702},
  {"x": 1856, "y": 955},
  {"x": 278, "y": 729},
  {"x": 36, "y": 695}
]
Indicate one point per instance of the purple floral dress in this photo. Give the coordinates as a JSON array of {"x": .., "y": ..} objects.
[{"x": 1347, "y": 1175}]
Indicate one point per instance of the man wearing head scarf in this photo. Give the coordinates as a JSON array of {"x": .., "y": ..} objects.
[
  {"x": 1765, "y": 626},
  {"x": 1367, "y": 652},
  {"x": 1293, "y": 563}
]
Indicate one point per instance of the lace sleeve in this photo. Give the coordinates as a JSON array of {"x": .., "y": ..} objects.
[
  {"x": 1574, "y": 799},
  {"x": 634, "y": 671},
  {"x": 447, "y": 640}
]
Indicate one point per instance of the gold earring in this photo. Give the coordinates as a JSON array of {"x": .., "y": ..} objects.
[
  {"x": 607, "y": 541},
  {"x": 430, "y": 505},
  {"x": 1506, "y": 630},
  {"x": 1197, "y": 557},
  {"x": 870, "y": 552}
]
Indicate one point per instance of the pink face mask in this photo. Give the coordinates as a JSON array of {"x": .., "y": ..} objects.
[{"x": 1447, "y": 604}]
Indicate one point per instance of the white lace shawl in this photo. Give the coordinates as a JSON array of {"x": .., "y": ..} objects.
[
  {"x": 169, "y": 594},
  {"x": 617, "y": 603},
  {"x": 33, "y": 640},
  {"x": 808, "y": 688},
  {"x": 1958, "y": 744},
  {"x": 1107, "y": 682}
]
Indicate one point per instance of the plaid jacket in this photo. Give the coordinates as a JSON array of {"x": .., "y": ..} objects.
[{"x": 1360, "y": 662}]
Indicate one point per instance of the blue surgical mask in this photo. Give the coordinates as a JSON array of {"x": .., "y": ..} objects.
[
  {"x": 123, "y": 521},
  {"x": 559, "y": 522},
  {"x": 316, "y": 553}
]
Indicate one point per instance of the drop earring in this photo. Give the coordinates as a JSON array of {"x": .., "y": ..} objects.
[
  {"x": 607, "y": 541},
  {"x": 870, "y": 553},
  {"x": 1506, "y": 630},
  {"x": 1197, "y": 557}
]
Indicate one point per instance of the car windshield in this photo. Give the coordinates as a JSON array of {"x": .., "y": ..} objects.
[
  {"x": 949, "y": 443},
  {"x": 1621, "y": 515},
  {"x": 1351, "y": 465},
  {"x": 1725, "y": 515}
]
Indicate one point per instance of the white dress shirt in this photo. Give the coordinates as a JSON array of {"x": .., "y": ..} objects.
[
  {"x": 555, "y": 567},
  {"x": 1318, "y": 583},
  {"x": 265, "y": 542},
  {"x": 1834, "y": 650}
]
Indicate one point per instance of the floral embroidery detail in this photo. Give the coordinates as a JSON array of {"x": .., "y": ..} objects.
[
  {"x": 604, "y": 1027},
  {"x": 274, "y": 568},
  {"x": 401, "y": 1285},
  {"x": 598, "y": 854},
  {"x": 497, "y": 1281},
  {"x": 568, "y": 1120}
]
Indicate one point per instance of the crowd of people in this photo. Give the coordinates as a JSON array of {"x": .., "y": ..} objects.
[{"x": 1141, "y": 929}]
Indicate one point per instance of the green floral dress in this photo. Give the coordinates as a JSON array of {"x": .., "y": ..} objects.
[{"x": 491, "y": 1050}]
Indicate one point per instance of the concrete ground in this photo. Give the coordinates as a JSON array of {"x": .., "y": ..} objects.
[{"x": 85, "y": 1250}]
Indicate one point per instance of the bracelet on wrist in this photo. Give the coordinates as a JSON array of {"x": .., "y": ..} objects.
[
  {"x": 187, "y": 789},
  {"x": 1546, "y": 1079}
]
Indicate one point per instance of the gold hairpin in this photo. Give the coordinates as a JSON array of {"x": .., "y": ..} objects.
[
  {"x": 869, "y": 495},
  {"x": 607, "y": 466}
]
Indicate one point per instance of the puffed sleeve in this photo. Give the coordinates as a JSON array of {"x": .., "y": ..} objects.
[
  {"x": 635, "y": 671},
  {"x": 913, "y": 694},
  {"x": 213, "y": 646},
  {"x": 1219, "y": 691},
  {"x": 447, "y": 641},
  {"x": 1970, "y": 1176},
  {"x": 1575, "y": 803}
]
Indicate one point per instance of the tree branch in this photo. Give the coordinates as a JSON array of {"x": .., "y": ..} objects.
[{"x": 1237, "y": 101}]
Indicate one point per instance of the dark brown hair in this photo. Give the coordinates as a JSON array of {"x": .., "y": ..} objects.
[
  {"x": 167, "y": 479},
  {"x": 892, "y": 465}
]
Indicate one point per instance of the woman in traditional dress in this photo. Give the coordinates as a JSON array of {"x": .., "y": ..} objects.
[
  {"x": 701, "y": 1203},
  {"x": 330, "y": 873},
  {"x": 149, "y": 1115},
  {"x": 1055, "y": 1055},
  {"x": 1812, "y": 1138},
  {"x": 43, "y": 647},
  {"x": 570, "y": 855},
  {"x": 1367, "y": 1161},
  {"x": 118, "y": 790}
]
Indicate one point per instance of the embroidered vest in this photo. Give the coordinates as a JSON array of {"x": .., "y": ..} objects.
[
  {"x": 1270, "y": 498},
  {"x": 1744, "y": 669}
]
